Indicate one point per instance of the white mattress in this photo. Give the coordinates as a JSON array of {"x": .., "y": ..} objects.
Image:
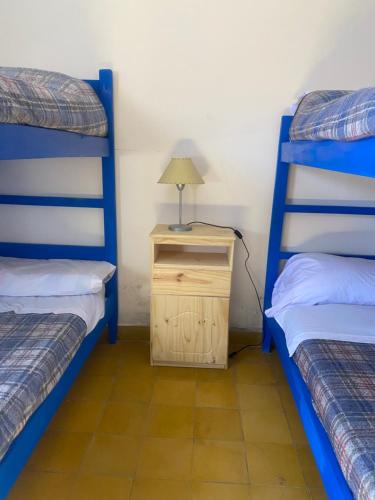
[
  {"x": 351, "y": 323},
  {"x": 89, "y": 307}
]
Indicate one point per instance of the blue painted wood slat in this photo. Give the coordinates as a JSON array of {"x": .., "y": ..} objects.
[
  {"x": 46, "y": 251},
  {"x": 51, "y": 201},
  {"x": 109, "y": 194},
  {"x": 349, "y": 157},
  {"x": 277, "y": 217},
  {"x": 329, "y": 209},
  {"x": 24, "y": 142}
]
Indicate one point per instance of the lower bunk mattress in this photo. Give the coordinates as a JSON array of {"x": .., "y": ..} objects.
[
  {"x": 341, "y": 379},
  {"x": 35, "y": 350}
]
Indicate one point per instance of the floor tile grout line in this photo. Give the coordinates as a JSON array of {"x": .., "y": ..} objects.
[
  {"x": 295, "y": 444},
  {"x": 105, "y": 404},
  {"x": 143, "y": 437},
  {"x": 194, "y": 438},
  {"x": 248, "y": 468},
  {"x": 89, "y": 445},
  {"x": 107, "y": 400}
]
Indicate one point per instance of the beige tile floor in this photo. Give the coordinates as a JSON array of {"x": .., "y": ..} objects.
[{"x": 129, "y": 431}]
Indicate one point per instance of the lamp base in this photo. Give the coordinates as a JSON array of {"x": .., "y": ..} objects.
[{"x": 179, "y": 227}]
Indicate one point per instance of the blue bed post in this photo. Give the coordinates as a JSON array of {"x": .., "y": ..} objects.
[
  {"x": 109, "y": 196},
  {"x": 277, "y": 218}
]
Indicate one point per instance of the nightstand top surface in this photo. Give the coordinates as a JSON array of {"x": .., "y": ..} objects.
[{"x": 206, "y": 234}]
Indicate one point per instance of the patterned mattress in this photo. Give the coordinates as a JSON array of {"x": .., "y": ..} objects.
[
  {"x": 341, "y": 379},
  {"x": 51, "y": 100},
  {"x": 338, "y": 115},
  {"x": 35, "y": 350}
]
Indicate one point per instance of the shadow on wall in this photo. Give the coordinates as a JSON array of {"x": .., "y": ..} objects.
[
  {"x": 349, "y": 52},
  {"x": 184, "y": 148},
  {"x": 133, "y": 122},
  {"x": 188, "y": 148},
  {"x": 327, "y": 186},
  {"x": 134, "y": 297},
  {"x": 223, "y": 215},
  {"x": 49, "y": 48},
  {"x": 345, "y": 242},
  {"x": 244, "y": 307},
  {"x": 53, "y": 225}
]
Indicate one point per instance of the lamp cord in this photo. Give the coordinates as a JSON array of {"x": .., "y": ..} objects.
[{"x": 241, "y": 238}]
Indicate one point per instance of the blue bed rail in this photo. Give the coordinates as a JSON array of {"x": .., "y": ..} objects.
[
  {"x": 25, "y": 142},
  {"x": 357, "y": 157},
  {"x": 349, "y": 157}
]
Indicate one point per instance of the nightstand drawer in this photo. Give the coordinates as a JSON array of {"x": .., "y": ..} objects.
[
  {"x": 189, "y": 330},
  {"x": 191, "y": 282}
]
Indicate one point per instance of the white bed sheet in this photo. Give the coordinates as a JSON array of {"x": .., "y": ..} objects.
[
  {"x": 351, "y": 323},
  {"x": 89, "y": 307}
]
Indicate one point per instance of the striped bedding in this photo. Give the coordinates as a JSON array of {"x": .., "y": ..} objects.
[
  {"x": 341, "y": 379},
  {"x": 339, "y": 115},
  {"x": 51, "y": 100},
  {"x": 35, "y": 350}
]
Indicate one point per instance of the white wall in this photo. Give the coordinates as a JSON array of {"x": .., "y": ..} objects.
[{"x": 206, "y": 78}]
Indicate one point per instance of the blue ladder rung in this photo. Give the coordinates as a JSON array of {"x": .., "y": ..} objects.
[
  {"x": 329, "y": 209},
  {"x": 51, "y": 251},
  {"x": 51, "y": 201}
]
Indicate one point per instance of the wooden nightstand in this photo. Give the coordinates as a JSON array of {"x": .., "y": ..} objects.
[{"x": 190, "y": 289}]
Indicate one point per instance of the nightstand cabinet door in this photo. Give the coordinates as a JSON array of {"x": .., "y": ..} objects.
[{"x": 189, "y": 330}]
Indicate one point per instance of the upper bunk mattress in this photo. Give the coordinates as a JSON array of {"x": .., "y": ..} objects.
[
  {"x": 35, "y": 350},
  {"x": 51, "y": 100},
  {"x": 338, "y": 115},
  {"x": 341, "y": 380}
]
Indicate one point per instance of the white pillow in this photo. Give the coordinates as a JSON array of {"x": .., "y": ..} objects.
[
  {"x": 48, "y": 277},
  {"x": 318, "y": 278}
]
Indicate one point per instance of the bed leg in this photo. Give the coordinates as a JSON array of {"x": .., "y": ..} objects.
[
  {"x": 112, "y": 328},
  {"x": 267, "y": 338}
]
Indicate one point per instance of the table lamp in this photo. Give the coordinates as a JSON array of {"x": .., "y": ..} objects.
[{"x": 180, "y": 171}]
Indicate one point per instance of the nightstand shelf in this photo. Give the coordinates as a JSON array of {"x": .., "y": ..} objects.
[
  {"x": 201, "y": 260},
  {"x": 190, "y": 290}
]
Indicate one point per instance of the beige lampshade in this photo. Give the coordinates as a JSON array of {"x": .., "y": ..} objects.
[{"x": 181, "y": 171}]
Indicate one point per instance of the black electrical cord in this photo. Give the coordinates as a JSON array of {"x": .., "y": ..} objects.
[{"x": 240, "y": 237}]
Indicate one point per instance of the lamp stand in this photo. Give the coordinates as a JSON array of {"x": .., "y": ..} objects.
[{"x": 180, "y": 227}]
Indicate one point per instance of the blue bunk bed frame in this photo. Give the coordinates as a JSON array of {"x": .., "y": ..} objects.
[
  {"x": 25, "y": 142},
  {"x": 358, "y": 158}
]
